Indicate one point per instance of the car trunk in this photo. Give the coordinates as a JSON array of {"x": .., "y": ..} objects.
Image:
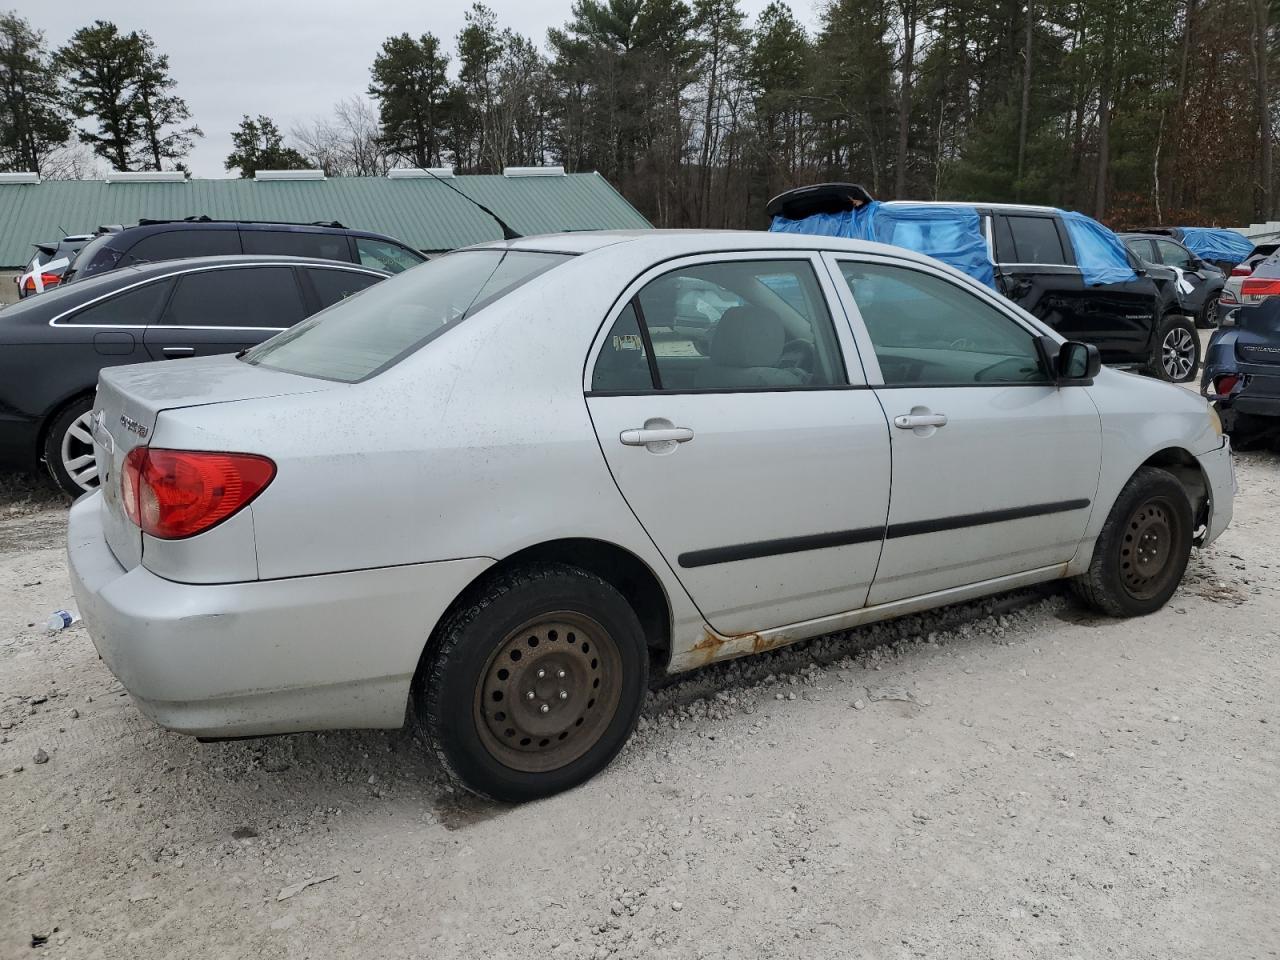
[{"x": 130, "y": 400}]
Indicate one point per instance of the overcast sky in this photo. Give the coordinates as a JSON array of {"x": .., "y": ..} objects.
[{"x": 288, "y": 59}]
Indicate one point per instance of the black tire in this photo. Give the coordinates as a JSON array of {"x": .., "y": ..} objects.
[
  {"x": 1178, "y": 335},
  {"x": 1208, "y": 319},
  {"x": 63, "y": 421},
  {"x": 523, "y": 755},
  {"x": 1152, "y": 514}
]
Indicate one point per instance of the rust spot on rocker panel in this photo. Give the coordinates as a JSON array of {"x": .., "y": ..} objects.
[{"x": 715, "y": 646}]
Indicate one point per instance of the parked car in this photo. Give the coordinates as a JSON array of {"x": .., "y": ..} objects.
[
  {"x": 482, "y": 494},
  {"x": 1216, "y": 245},
  {"x": 154, "y": 240},
  {"x": 1199, "y": 283},
  {"x": 53, "y": 346},
  {"x": 47, "y": 265},
  {"x": 1242, "y": 362},
  {"x": 1229, "y": 300},
  {"x": 1067, "y": 269}
]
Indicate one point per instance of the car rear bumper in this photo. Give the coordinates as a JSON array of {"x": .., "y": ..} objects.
[
  {"x": 1219, "y": 472},
  {"x": 263, "y": 657}
]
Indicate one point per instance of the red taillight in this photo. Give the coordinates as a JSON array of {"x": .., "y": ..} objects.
[
  {"x": 173, "y": 494},
  {"x": 48, "y": 279},
  {"x": 1227, "y": 296},
  {"x": 1224, "y": 384},
  {"x": 1240, "y": 270},
  {"x": 1255, "y": 287}
]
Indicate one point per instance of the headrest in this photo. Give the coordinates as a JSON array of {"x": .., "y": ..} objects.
[{"x": 748, "y": 337}]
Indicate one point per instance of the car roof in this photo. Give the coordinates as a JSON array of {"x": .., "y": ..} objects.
[
  {"x": 147, "y": 227},
  {"x": 1143, "y": 235},
  {"x": 667, "y": 244}
]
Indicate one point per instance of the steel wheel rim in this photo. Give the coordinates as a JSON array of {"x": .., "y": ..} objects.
[
  {"x": 548, "y": 692},
  {"x": 78, "y": 458},
  {"x": 1146, "y": 549},
  {"x": 1179, "y": 352}
]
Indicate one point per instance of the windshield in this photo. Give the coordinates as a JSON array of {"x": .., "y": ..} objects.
[{"x": 365, "y": 334}]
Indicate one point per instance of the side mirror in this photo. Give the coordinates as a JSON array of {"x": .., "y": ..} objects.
[{"x": 1077, "y": 363}]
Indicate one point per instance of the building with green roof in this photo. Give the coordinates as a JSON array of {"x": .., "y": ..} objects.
[{"x": 410, "y": 204}]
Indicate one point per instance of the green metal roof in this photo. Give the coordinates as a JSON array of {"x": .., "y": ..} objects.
[{"x": 421, "y": 212}]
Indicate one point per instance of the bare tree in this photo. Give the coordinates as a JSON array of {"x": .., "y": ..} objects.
[{"x": 347, "y": 143}]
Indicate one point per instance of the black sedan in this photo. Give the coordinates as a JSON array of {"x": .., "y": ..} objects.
[
  {"x": 52, "y": 346},
  {"x": 1242, "y": 362}
]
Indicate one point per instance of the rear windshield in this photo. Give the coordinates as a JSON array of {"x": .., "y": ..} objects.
[{"x": 365, "y": 334}]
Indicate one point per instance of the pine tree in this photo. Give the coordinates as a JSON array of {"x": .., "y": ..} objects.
[
  {"x": 411, "y": 87},
  {"x": 259, "y": 145},
  {"x": 32, "y": 120}
]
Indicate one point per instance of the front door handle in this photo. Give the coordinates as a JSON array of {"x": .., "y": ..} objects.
[
  {"x": 179, "y": 351},
  {"x": 642, "y": 436},
  {"x": 911, "y": 421}
]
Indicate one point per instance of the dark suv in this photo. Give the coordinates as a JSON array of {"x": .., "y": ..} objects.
[
  {"x": 1199, "y": 283},
  {"x": 1065, "y": 268},
  {"x": 154, "y": 240}
]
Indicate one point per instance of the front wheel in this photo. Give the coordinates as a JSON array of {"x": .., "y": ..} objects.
[
  {"x": 68, "y": 449},
  {"x": 535, "y": 685},
  {"x": 1176, "y": 354},
  {"x": 1143, "y": 548}
]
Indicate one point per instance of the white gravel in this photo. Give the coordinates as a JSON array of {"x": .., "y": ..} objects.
[{"x": 1029, "y": 782}]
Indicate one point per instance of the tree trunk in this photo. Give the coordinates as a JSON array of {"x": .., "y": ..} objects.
[
  {"x": 908, "y": 10},
  {"x": 1025, "y": 113},
  {"x": 1104, "y": 125},
  {"x": 1262, "y": 91}
]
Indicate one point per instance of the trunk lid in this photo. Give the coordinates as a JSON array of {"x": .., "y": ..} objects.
[{"x": 129, "y": 402}]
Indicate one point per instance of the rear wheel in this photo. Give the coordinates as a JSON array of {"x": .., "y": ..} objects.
[
  {"x": 1143, "y": 548},
  {"x": 535, "y": 685},
  {"x": 1208, "y": 318},
  {"x": 68, "y": 449},
  {"x": 1176, "y": 354}
]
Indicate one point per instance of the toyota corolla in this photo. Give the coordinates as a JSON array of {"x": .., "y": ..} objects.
[{"x": 490, "y": 496}]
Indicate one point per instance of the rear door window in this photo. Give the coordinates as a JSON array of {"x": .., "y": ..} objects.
[
  {"x": 362, "y": 336},
  {"x": 1036, "y": 240},
  {"x": 260, "y": 297},
  {"x": 1174, "y": 254},
  {"x": 173, "y": 244},
  {"x": 297, "y": 243},
  {"x": 1141, "y": 248},
  {"x": 135, "y": 307}
]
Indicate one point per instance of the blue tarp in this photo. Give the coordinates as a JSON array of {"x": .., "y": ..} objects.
[
  {"x": 947, "y": 233},
  {"x": 1100, "y": 255},
  {"x": 1214, "y": 243},
  {"x": 953, "y": 234}
]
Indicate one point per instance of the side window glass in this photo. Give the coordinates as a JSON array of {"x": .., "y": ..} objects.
[
  {"x": 927, "y": 330},
  {"x": 385, "y": 256},
  {"x": 741, "y": 325},
  {"x": 334, "y": 285},
  {"x": 133, "y": 308},
  {"x": 238, "y": 297},
  {"x": 623, "y": 364},
  {"x": 1036, "y": 240},
  {"x": 297, "y": 243},
  {"x": 183, "y": 243},
  {"x": 1140, "y": 249},
  {"x": 1174, "y": 255}
]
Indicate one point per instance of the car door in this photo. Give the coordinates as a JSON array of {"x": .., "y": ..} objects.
[
  {"x": 223, "y": 309},
  {"x": 751, "y": 450},
  {"x": 1037, "y": 269},
  {"x": 994, "y": 466},
  {"x": 1192, "y": 285}
]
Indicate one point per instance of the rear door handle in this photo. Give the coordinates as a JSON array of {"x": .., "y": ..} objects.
[
  {"x": 639, "y": 437},
  {"x": 911, "y": 421},
  {"x": 179, "y": 351}
]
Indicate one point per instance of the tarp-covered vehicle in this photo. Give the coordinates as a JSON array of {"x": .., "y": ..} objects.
[
  {"x": 1219, "y": 246},
  {"x": 1062, "y": 266}
]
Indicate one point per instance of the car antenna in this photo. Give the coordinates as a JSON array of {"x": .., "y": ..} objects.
[{"x": 507, "y": 232}]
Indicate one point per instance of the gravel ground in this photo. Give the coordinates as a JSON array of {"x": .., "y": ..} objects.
[{"x": 1013, "y": 778}]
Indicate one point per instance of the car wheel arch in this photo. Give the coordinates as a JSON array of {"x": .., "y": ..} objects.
[
  {"x": 622, "y": 569},
  {"x": 1187, "y": 470},
  {"x": 52, "y": 414}
]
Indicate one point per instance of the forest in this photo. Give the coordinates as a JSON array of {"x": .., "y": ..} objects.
[{"x": 1133, "y": 111}]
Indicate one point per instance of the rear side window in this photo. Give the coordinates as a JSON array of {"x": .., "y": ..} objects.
[
  {"x": 1141, "y": 248},
  {"x": 95, "y": 257},
  {"x": 173, "y": 244},
  {"x": 362, "y": 336},
  {"x": 334, "y": 285},
  {"x": 385, "y": 256},
  {"x": 1036, "y": 240},
  {"x": 1174, "y": 254},
  {"x": 297, "y": 243},
  {"x": 237, "y": 297},
  {"x": 135, "y": 307}
]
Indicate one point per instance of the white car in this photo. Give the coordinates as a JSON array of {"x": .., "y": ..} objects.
[{"x": 482, "y": 496}]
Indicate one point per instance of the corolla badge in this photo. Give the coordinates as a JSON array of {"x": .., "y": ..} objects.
[{"x": 133, "y": 426}]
